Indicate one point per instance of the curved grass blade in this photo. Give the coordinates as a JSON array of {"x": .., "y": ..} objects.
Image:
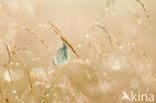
[
  {"x": 102, "y": 27},
  {"x": 145, "y": 10},
  {"x": 39, "y": 37}
]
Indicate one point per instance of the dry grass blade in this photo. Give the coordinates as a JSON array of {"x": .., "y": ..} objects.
[
  {"x": 39, "y": 37},
  {"x": 3, "y": 97},
  {"x": 7, "y": 101},
  {"x": 1, "y": 93},
  {"x": 63, "y": 39},
  {"x": 11, "y": 57},
  {"x": 137, "y": 49},
  {"x": 9, "y": 61},
  {"x": 29, "y": 79},
  {"x": 145, "y": 10},
  {"x": 59, "y": 33},
  {"x": 102, "y": 27},
  {"x": 7, "y": 67},
  {"x": 8, "y": 51},
  {"x": 30, "y": 82}
]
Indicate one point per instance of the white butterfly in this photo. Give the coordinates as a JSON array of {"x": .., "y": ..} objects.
[{"x": 62, "y": 56}]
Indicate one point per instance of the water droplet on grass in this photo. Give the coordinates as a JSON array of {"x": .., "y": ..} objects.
[
  {"x": 17, "y": 64},
  {"x": 121, "y": 47},
  {"x": 14, "y": 91},
  {"x": 79, "y": 45}
]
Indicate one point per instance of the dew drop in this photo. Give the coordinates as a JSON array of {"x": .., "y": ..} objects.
[
  {"x": 121, "y": 47},
  {"x": 14, "y": 91},
  {"x": 11, "y": 63},
  {"x": 106, "y": 9},
  {"x": 139, "y": 21},
  {"x": 17, "y": 64},
  {"x": 79, "y": 45}
]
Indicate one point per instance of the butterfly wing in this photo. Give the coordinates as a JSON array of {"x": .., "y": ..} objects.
[{"x": 62, "y": 56}]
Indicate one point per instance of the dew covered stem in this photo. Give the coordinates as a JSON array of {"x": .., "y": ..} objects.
[{"x": 145, "y": 10}]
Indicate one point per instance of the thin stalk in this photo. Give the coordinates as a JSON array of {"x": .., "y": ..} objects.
[
  {"x": 59, "y": 33},
  {"x": 145, "y": 10},
  {"x": 39, "y": 37},
  {"x": 48, "y": 91}
]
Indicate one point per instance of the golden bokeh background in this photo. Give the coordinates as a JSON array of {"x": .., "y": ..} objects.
[{"x": 105, "y": 69}]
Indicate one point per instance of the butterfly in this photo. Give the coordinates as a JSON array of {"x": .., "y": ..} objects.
[{"x": 62, "y": 56}]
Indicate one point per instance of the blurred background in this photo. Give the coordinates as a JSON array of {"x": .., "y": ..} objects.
[{"x": 115, "y": 40}]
